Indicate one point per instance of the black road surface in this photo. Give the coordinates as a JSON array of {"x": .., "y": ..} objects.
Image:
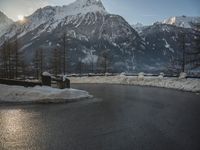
[{"x": 118, "y": 118}]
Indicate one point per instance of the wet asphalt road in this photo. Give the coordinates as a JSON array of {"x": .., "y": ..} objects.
[{"x": 118, "y": 118}]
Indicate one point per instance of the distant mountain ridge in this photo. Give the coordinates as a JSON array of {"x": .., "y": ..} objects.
[{"x": 182, "y": 21}]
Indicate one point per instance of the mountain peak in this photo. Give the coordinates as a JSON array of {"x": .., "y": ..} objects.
[
  {"x": 85, "y": 6},
  {"x": 5, "y": 22},
  {"x": 75, "y": 8},
  {"x": 89, "y": 2}
]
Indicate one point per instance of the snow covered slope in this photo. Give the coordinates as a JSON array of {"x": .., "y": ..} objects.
[
  {"x": 50, "y": 15},
  {"x": 192, "y": 85},
  {"x": 56, "y": 14},
  {"x": 164, "y": 43},
  {"x": 182, "y": 21},
  {"x": 90, "y": 29},
  {"x": 5, "y": 22}
]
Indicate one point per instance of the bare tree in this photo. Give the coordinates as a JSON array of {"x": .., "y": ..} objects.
[
  {"x": 11, "y": 59},
  {"x": 56, "y": 61},
  {"x": 194, "y": 54},
  {"x": 64, "y": 52},
  {"x": 188, "y": 57},
  {"x": 16, "y": 55},
  {"x": 39, "y": 62},
  {"x": 183, "y": 59},
  {"x": 3, "y": 58},
  {"x": 80, "y": 67},
  {"x": 178, "y": 61},
  {"x": 7, "y": 59},
  {"x": 105, "y": 60}
]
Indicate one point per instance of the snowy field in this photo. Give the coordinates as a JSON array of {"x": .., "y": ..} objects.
[
  {"x": 39, "y": 94},
  {"x": 192, "y": 85}
]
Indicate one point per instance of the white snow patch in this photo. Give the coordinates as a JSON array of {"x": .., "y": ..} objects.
[
  {"x": 192, "y": 85},
  {"x": 25, "y": 46},
  {"x": 64, "y": 77},
  {"x": 90, "y": 57},
  {"x": 168, "y": 46},
  {"x": 39, "y": 94},
  {"x": 161, "y": 76},
  {"x": 46, "y": 74},
  {"x": 183, "y": 75},
  {"x": 141, "y": 75}
]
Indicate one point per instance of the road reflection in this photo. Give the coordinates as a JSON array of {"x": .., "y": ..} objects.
[{"x": 18, "y": 128}]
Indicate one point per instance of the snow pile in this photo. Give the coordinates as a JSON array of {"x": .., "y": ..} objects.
[
  {"x": 39, "y": 94},
  {"x": 46, "y": 74},
  {"x": 192, "y": 85},
  {"x": 183, "y": 75},
  {"x": 141, "y": 76},
  {"x": 122, "y": 74},
  {"x": 64, "y": 78},
  {"x": 161, "y": 76}
]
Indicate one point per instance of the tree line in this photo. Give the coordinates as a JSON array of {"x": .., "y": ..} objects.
[
  {"x": 188, "y": 57},
  {"x": 11, "y": 64},
  {"x": 14, "y": 66}
]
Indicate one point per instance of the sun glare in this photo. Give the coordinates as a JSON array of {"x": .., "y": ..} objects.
[{"x": 20, "y": 17}]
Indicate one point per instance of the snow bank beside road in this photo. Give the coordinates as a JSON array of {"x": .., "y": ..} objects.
[
  {"x": 192, "y": 85},
  {"x": 39, "y": 94}
]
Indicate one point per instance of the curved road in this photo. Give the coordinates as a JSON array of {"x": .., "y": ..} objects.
[{"x": 118, "y": 118}]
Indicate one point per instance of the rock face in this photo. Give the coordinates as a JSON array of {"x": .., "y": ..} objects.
[{"x": 5, "y": 22}]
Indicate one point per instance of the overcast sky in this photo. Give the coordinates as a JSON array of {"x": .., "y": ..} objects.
[{"x": 143, "y": 11}]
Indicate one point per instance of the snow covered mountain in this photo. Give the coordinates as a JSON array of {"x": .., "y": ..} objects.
[
  {"x": 5, "y": 22},
  {"x": 52, "y": 16},
  {"x": 139, "y": 27},
  {"x": 183, "y": 21},
  {"x": 164, "y": 43},
  {"x": 90, "y": 30}
]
